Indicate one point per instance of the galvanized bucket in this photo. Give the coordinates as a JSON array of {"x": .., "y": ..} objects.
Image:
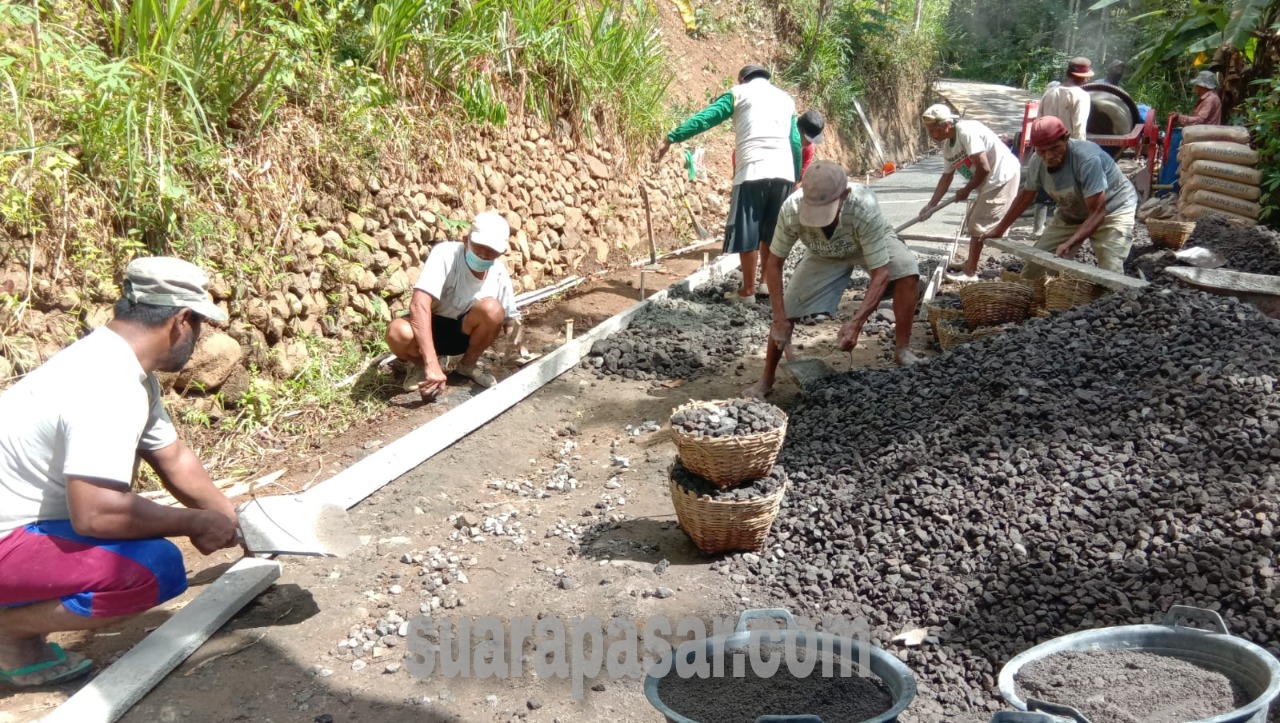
[
  {"x": 1018, "y": 716},
  {"x": 1256, "y": 671},
  {"x": 895, "y": 676}
]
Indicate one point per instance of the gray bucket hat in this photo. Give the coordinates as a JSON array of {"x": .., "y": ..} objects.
[
  {"x": 166, "y": 281},
  {"x": 1205, "y": 79}
]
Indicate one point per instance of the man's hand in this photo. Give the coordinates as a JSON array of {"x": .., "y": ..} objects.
[
  {"x": 1065, "y": 249},
  {"x": 780, "y": 332},
  {"x": 434, "y": 382},
  {"x": 661, "y": 151},
  {"x": 213, "y": 531},
  {"x": 849, "y": 333},
  {"x": 926, "y": 212},
  {"x": 962, "y": 194}
]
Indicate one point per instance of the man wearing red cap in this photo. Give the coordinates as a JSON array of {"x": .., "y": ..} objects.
[
  {"x": 841, "y": 227},
  {"x": 1095, "y": 200}
]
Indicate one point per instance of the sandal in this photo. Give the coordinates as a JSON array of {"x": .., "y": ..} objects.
[{"x": 71, "y": 670}]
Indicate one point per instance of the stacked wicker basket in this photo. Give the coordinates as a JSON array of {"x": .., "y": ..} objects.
[
  {"x": 987, "y": 308},
  {"x": 726, "y": 463}
]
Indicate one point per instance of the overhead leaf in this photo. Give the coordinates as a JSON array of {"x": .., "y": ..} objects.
[
  {"x": 1205, "y": 44},
  {"x": 1144, "y": 16},
  {"x": 1245, "y": 18},
  {"x": 1103, "y": 4}
]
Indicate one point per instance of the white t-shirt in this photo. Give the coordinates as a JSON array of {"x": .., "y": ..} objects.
[
  {"x": 449, "y": 281},
  {"x": 973, "y": 137},
  {"x": 84, "y": 413},
  {"x": 1069, "y": 104}
]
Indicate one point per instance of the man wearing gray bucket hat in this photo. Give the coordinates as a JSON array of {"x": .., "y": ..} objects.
[
  {"x": 79, "y": 550},
  {"x": 1208, "y": 110}
]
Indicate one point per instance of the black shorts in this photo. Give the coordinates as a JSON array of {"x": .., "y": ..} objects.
[
  {"x": 753, "y": 214},
  {"x": 447, "y": 336}
]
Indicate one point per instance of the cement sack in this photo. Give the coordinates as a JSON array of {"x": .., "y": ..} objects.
[
  {"x": 1221, "y": 185},
  {"x": 1217, "y": 169},
  {"x": 1192, "y": 212},
  {"x": 1237, "y": 153},
  {"x": 1223, "y": 202},
  {"x": 1229, "y": 134}
]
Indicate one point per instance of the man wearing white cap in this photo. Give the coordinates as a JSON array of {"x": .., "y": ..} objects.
[
  {"x": 985, "y": 161},
  {"x": 78, "y": 549},
  {"x": 462, "y": 301},
  {"x": 842, "y": 230}
]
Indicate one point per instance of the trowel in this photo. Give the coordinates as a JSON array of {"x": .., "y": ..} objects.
[{"x": 295, "y": 525}]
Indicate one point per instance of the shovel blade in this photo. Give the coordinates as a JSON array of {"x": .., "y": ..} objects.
[
  {"x": 293, "y": 525},
  {"x": 807, "y": 371}
]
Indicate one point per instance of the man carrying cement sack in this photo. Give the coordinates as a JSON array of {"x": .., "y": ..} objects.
[
  {"x": 78, "y": 549},
  {"x": 1095, "y": 200},
  {"x": 462, "y": 301},
  {"x": 767, "y": 164},
  {"x": 1208, "y": 110},
  {"x": 841, "y": 227},
  {"x": 986, "y": 162}
]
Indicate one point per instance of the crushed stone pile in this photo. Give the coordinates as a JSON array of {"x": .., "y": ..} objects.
[
  {"x": 1252, "y": 250},
  {"x": 762, "y": 487},
  {"x": 734, "y": 417},
  {"x": 1086, "y": 470},
  {"x": 683, "y": 336}
]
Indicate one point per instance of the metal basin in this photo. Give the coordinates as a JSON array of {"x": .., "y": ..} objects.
[
  {"x": 895, "y": 676},
  {"x": 1256, "y": 671}
]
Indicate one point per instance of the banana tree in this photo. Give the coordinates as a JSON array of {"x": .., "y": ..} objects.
[{"x": 1237, "y": 38}]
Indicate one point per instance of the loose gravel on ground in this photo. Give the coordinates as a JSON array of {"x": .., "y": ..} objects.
[
  {"x": 1251, "y": 250},
  {"x": 1089, "y": 469}
]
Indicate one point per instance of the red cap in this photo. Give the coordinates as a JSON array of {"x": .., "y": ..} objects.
[{"x": 1046, "y": 130}]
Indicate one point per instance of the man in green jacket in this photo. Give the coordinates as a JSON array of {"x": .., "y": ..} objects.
[{"x": 767, "y": 166}]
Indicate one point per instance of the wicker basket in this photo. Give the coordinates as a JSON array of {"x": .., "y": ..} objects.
[
  {"x": 1012, "y": 277},
  {"x": 1170, "y": 234},
  {"x": 936, "y": 314},
  {"x": 1041, "y": 312},
  {"x": 985, "y": 331},
  {"x": 727, "y": 461},
  {"x": 952, "y": 334},
  {"x": 1064, "y": 292},
  {"x": 716, "y": 526},
  {"x": 989, "y": 303}
]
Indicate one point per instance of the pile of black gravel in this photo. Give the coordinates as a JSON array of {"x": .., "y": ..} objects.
[
  {"x": 1252, "y": 250},
  {"x": 736, "y": 417},
  {"x": 1085, "y": 470},
  {"x": 684, "y": 336},
  {"x": 746, "y": 491}
]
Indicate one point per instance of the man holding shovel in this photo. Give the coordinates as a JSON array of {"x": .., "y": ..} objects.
[
  {"x": 985, "y": 161},
  {"x": 1095, "y": 201},
  {"x": 78, "y": 549},
  {"x": 767, "y": 163},
  {"x": 841, "y": 227}
]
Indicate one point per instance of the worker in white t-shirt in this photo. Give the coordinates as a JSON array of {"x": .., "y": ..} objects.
[
  {"x": 463, "y": 300},
  {"x": 78, "y": 549},
  {"x": 987, "y": 164}
]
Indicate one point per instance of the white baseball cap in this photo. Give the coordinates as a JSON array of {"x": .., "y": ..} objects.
[
  {"x": 938, "y": 113},
  {"x": 491, "y": 230}
]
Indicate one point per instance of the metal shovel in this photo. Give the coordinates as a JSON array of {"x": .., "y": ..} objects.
[{"x": 295, "y": 525}]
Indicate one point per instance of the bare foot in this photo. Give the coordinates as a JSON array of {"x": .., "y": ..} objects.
[
  {"x": 905, "y": 358},
  {"x": 759, "y": 390}
]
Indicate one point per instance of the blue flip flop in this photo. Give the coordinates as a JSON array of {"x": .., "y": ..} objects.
[{"x": 60, "y": 658}]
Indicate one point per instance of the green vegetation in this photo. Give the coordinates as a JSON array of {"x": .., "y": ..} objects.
[
  {"x": 141, "y": 99},
  {"x": 845, "y": 50}
]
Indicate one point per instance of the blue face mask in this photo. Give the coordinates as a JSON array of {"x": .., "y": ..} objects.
[{"x": 478, "y": 264}]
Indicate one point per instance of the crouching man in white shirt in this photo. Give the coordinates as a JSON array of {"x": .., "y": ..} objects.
[{"x": 463, "y": 300}]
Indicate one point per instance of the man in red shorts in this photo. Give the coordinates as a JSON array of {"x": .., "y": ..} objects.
[{"x": 79, "y": 550}]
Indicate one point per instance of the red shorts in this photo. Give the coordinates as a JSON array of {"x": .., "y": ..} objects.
[{"x": 91, "y": 576}]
